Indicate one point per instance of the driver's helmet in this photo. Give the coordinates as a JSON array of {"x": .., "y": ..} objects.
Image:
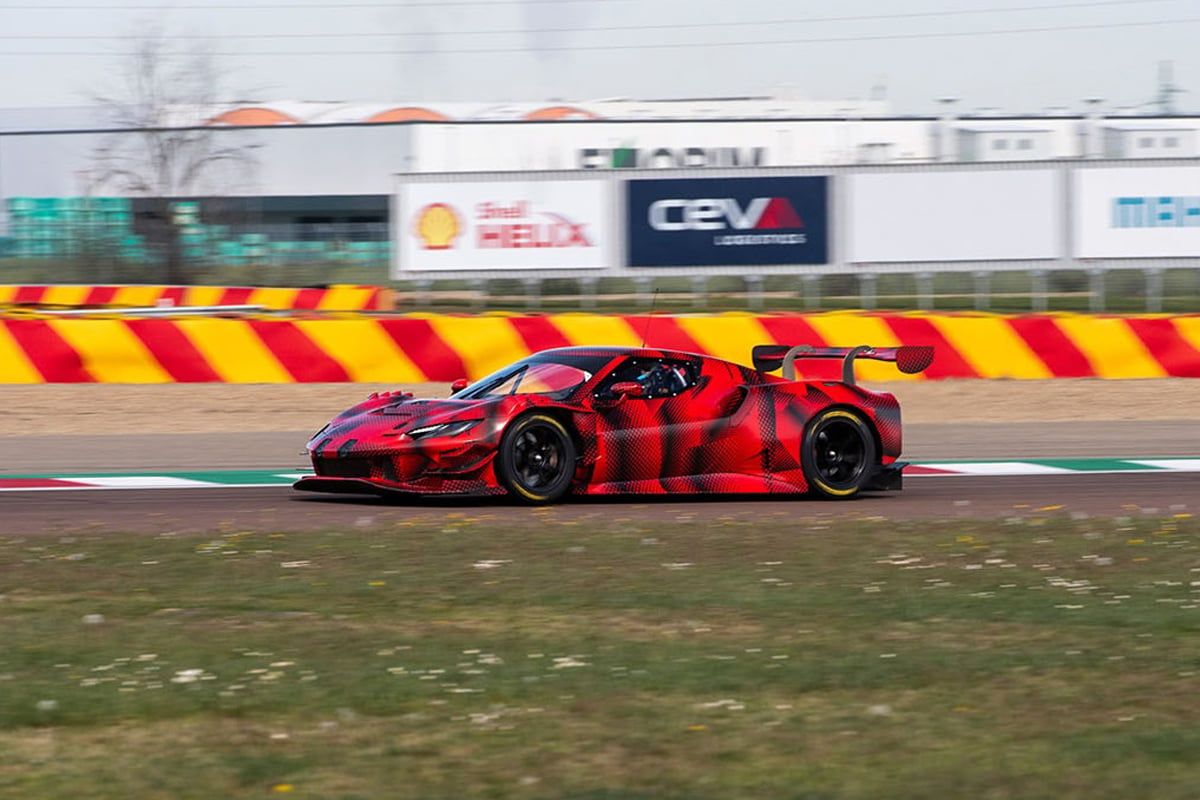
[{"x": 660, "y": 380}]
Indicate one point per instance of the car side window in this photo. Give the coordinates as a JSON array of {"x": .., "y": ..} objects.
[{"x": 658, "y": 377}]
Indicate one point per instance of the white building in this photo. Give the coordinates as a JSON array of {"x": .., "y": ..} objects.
[
  {"x": 983, "y": 142},
  {"x": 336, "y": 149},
  {"x": 1146, "y": 139}
]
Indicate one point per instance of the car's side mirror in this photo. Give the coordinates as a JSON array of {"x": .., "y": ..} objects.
[
  {"x": 627, "y": 389},
  {"x": 459, "y": 385}
]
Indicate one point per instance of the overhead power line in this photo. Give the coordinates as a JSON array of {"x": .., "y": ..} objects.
[
  {"x": 653, "y": 46},
  {"x": 607, "y": 28}
]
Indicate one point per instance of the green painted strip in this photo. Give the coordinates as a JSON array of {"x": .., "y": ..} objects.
[
  {"x": 1083, "y": 464},
  {"x": 1094, "y": 464}
]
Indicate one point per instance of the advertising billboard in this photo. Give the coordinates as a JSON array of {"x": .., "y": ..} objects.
[
  {"x": 1137, "y": 212},
  {"x": 727, "y": 222},
  {"x": 510, "y": 226},
  {"x": 974, "y": 215}
]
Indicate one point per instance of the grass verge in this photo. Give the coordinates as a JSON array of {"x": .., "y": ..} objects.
[{"x": 704, "y": 658}]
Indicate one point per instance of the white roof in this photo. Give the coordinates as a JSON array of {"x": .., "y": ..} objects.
[
  {"x": 1150, "y": 126},
  {"x": 1002, "y": 129}
]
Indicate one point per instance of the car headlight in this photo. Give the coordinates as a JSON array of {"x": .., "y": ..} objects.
[{"x": 444, "y": 429}]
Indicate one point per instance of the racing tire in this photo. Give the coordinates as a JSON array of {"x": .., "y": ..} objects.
[
  {"x": 838, "y": 454},
  {"x": 536, "y": 461}
]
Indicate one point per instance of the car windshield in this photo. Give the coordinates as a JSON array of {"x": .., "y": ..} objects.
[{"x": 557, "y": 378}]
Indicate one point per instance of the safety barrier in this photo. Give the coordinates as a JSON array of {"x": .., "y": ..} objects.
[
  {"x": 417, "y": 348},
  {"x": 332, "y": 298}
]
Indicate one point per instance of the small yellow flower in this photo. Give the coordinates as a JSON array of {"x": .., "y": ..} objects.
[
  {"x": 283, "y": 788},
  {"x": 697, "y": 727},
  {"x": 376, "y": 583}
]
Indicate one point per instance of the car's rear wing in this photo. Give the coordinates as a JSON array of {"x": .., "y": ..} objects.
[{"x": 909, "y": 359}]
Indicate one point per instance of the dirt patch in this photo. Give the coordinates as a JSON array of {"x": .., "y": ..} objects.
[
  {"x": 181, "y": 408},
  {"x": 1066, "y": 400},
  {"x": 212, "y": 408}
]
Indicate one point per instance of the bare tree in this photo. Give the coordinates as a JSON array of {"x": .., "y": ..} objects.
[{"x": 165, "y": 151}]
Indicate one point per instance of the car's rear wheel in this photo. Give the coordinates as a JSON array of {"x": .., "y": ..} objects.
[
  {"x": 536, "y": 462},
  {"x": 838, "y": 454}
]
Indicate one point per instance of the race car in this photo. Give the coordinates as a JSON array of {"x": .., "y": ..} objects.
[{"x": 620, "y": 420}]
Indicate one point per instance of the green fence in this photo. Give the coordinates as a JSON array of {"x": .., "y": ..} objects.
[{"x": 103, "y": 230}]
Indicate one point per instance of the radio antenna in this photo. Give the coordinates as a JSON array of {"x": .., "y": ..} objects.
[{"x": 650, "y": 318}]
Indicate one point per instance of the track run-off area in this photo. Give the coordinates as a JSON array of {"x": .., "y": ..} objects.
[{"x": 177, "y": 618}]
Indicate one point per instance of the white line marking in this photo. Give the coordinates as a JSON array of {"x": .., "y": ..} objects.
[
  {"x": 1073, "y": 472},
  {"x": 140, "y": 482},
  {"x": 998, "y": 468},
  {"x": 1173, "y": 464},
  {"x": 192, "y": 485}
]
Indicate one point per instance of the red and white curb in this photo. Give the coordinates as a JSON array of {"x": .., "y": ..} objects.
[{"x": 253, "y": 479}]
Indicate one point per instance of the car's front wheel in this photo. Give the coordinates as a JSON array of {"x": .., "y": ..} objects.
[
  {"x": 536, "y": 462},
  {"x": 838, "y": 453}
]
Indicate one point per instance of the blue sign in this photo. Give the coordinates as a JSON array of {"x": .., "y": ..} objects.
[
  {"x": 727, "y": 222},
  {"x": 1156, "y": 212}
]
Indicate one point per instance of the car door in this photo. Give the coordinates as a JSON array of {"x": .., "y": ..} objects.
[{"x": 664, "y": 433}]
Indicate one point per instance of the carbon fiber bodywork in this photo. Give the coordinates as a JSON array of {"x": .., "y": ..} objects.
[{"x": 733, "y": 429}]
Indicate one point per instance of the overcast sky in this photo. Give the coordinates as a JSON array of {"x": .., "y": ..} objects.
[{"x": 744, "y": 47}]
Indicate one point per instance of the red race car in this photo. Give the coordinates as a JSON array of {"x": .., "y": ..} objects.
[{"x": 619, "y": 420}]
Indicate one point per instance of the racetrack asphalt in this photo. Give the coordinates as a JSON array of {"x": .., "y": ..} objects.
[{"x": 282, "y": 509}]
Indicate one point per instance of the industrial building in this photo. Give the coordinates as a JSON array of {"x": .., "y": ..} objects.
[{"x": 318, "y": 178}]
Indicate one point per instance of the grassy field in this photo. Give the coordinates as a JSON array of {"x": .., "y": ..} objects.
[{"x": 698, "y": 657}]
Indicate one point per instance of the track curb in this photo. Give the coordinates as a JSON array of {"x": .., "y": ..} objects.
[{"x": 257, "y": 479}]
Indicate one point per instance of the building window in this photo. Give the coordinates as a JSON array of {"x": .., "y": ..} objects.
[
  {"x": 1025, "y": 144},
  {"x": 1145, "y": 142},
  {"x": 1000, "y": 144},
  {"x": 1171, "y": 141},
  {"x": 316, "y": 229}
]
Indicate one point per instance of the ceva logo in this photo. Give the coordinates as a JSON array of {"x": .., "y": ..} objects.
[{"x": 719, "y": 214}]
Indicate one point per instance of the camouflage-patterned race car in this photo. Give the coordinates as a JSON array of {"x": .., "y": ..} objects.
[{"x": 619, "y": 420}]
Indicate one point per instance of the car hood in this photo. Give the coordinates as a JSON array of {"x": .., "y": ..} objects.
[
  {"x": 395, "y": 413},
  {"x": 432, "y": 410}
]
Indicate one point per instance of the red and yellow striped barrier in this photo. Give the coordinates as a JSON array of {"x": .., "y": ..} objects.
[
  {"x": 333, "y": 298},
  {"x": 419, "y": 348}
]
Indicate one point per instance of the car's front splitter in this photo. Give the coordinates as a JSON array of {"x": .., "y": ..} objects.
[{"x": 363, "y": 486}]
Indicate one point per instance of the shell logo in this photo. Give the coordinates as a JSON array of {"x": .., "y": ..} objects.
[{"x": 437, "y": 225}]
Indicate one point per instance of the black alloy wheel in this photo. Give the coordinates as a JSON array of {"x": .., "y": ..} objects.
[
  {"x": 838, "y": 453},
  {"x": 536, "y": 462}
]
